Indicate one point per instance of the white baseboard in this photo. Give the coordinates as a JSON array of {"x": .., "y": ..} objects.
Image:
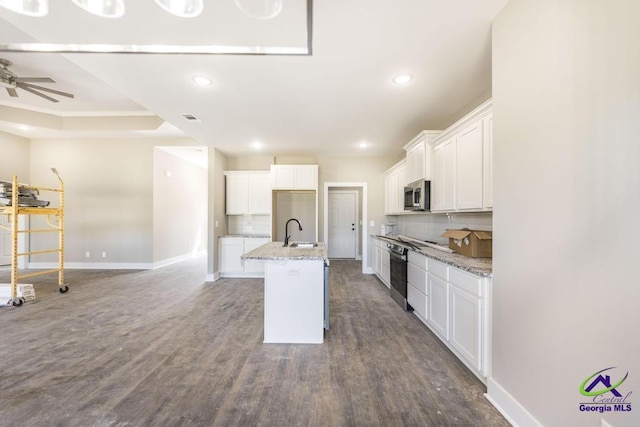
[
  {"x": 93, "y": 265},
  {"x": 241, "y": 275},
  {"x": 212, "y": 277},
  {"x": 508, "y": 406},
  {"x": 369, "y": 270}
]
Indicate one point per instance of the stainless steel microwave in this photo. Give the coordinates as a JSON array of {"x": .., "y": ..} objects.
[{"x": 417, "y": 196}]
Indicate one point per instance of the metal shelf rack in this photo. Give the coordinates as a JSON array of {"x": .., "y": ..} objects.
[{"x": 55, "y": 221}]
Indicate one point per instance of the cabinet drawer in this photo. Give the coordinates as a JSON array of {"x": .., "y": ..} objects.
[
  {"x": 419, "y": 260},
  {"x": 417, "y": 300},
  {"x": 466, "y": 281},
  {"x": 417, "y": 277},
  {"x": 439, "y": 269}
]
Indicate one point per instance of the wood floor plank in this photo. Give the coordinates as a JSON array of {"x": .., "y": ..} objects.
[{"x": 162, "y": 347}]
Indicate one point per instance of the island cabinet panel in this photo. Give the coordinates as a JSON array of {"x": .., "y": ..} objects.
[{"x": 294, "y": 302}]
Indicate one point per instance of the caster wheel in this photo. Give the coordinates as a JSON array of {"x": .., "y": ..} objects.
[
  {"x": 18, "y": 303},
  {"x": 63, "y": 289}
]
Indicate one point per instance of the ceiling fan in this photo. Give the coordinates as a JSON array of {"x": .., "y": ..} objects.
[{"x": 11, "y": 82}]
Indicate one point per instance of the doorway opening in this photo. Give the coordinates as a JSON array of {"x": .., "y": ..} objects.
[{"x": 345, "y": 219}]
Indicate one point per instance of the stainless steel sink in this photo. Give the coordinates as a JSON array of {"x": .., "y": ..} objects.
[{"x": 303, "y": 245}]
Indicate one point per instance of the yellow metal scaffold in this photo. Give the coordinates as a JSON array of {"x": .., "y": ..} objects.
[{"x": 55, "y": 220}]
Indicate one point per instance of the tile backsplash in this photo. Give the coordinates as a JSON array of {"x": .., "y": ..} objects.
[
  {"x": 249, "y": 224},
  {"x": 431, "y": 226}
]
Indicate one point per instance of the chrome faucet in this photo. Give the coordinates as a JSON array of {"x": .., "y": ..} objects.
[{"x": 286, "y": 231}]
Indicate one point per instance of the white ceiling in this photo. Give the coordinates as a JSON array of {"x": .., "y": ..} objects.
[{"x": 322, "y": 104}]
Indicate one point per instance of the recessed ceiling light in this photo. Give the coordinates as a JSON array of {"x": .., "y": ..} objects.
[
  {"x": 402, "y": 79},
  {"x": 202, "y": 80},
  {"x": 257, "y": 145},
  {"x": 362, "y": 145},
  {"x": 24, "y": 127}
]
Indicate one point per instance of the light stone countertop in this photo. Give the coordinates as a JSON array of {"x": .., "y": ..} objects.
[
  {"x": 477, "y": 266},
  {"x": 255, "y": 236},
  {"x": 275, "y": 251}
]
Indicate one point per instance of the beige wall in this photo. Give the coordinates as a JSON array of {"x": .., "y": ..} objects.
[
  {"x": 566, "y": 96},
  {"x": 217, "y": 225},
  {"x": 14, "y": 157},
  {"x": 109, "y": 197},
  {"x": 179, "y": 207}
]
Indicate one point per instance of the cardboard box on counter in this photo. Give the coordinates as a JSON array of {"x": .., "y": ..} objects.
[{"x": 471, "y": 243}]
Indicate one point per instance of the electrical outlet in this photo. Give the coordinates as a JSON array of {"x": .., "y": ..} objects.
[
  {"x": 87, "y": 254},
  {"x": 104, "y": 254},
  {"x": 372, "y": 223},
  {"x": 216, "y": 223}
]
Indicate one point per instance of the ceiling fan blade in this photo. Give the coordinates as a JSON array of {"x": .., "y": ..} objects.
[
  {"x": 42, "y": 95},
  {"x": 45, "y": 89},
  {"x": 33, "y": 79},
  {"x": 12, "y": 92}
]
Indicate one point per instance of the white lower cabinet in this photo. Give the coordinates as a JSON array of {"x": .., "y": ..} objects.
[
  {"x": 438, "y": 309},
  {"x": 381, "y": 261},
  {"x": 232, "y": 248},
  {"x": 417, "y": 267},
  {"x": 457, "y": 308},
  {"x": 465, "y": 325},
  {"x": 385, "y": 267}
]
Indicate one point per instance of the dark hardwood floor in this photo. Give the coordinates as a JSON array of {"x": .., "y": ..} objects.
[{"x": 163, "y": 348}]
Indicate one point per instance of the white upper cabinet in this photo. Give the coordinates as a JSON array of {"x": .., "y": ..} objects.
[
  {"x": 394, "y": 182},
  {"x": 248, "y": 193},
  {"x": 487, "y": 162},
  {"x": 415, "y": 163},
  {"x": 448, "y": 175},
  {"x": 419, "y": 156},
  {"x": 294, "y": 177},
  {"x": 469, "y": 152},
  {"x": 462, "y": 164}
]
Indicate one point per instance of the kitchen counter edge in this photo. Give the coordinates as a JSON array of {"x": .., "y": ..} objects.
[
  {"x": 276, "y": 251},
  {"x": 478, "y": 266}
]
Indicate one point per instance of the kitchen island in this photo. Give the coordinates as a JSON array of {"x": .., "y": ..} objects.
[{"x": 296, "y": 293}]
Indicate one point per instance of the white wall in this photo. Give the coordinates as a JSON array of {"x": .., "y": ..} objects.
[
  {"x": 566, "y": 96},
  {"x": 179, "y": 208},
  {"x": 14, "y": 158}
]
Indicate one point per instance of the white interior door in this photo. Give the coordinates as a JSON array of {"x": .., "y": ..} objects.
[
  {"x": 5, "y": 239},
  {"x": 343, "y": 217}
]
